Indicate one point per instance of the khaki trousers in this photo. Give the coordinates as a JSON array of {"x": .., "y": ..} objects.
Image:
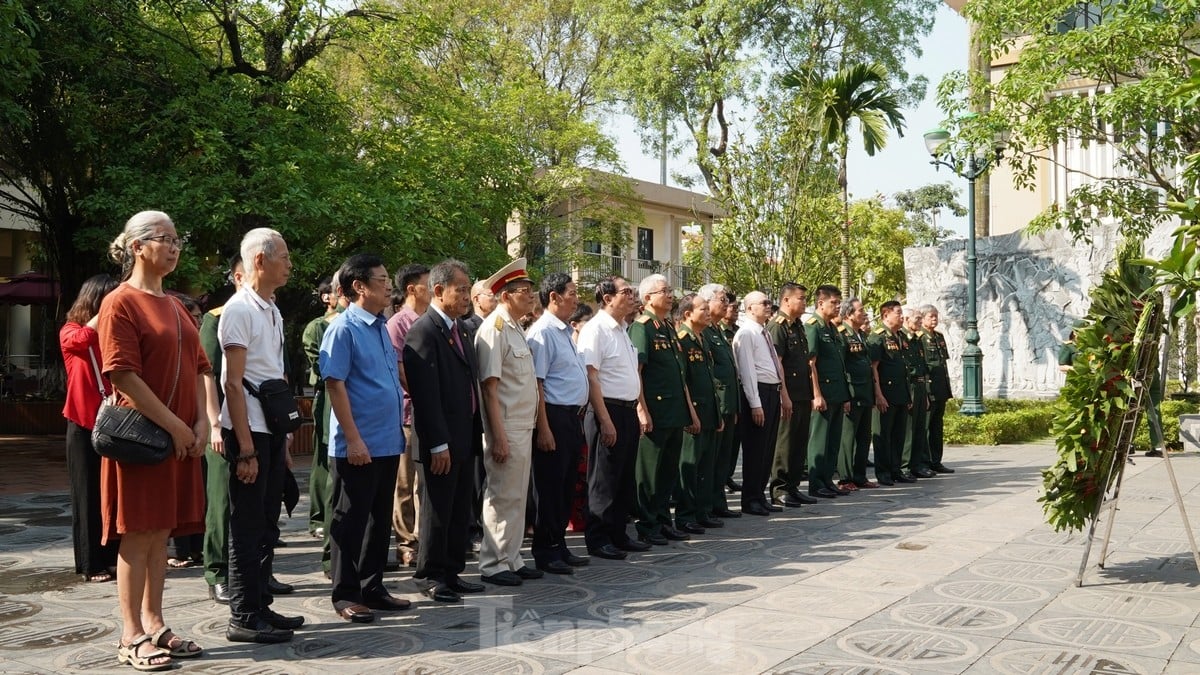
[
  {"x": 505, "y": 491},
  {"x": 406, "y": 509}
]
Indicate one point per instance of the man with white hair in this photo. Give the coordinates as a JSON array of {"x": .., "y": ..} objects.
[
  {"x": 725, "y": 374},
  {"x": 762, "y": 401},
  {"x": 665, "y": 411},
  {"x": 251, "y": 335}
]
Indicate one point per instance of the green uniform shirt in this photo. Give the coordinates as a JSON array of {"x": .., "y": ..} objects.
[
  {"x": 887, "y": 349},
  {"x": 211, "y": 344},
  {"x": 914, "y": 355},
  {"x": 937, "y": 356},
  {"x": 724, "y": 369},
  {"x": 791, "y": 344},
  {"x": 858, "y": 365},
  {"x": 825, "y": 343},
  {"x": 700, "y": 380},
  {"x": 663, "y": 376}
]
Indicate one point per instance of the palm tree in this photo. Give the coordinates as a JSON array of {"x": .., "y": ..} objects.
[{"x": 856, "y": 92}]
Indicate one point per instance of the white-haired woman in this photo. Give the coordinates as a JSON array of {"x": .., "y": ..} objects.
[{"x": 153, "y": 357}]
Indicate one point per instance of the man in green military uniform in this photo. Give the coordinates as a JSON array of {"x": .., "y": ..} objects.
[
  {"x": 937, "y": 355},
  {"x": 216, "y": 483},
  {"x": 856, "y": 429},
  {"x": 915, "y": 461},
  {"x": 726, "y": 382},
  {"x": 693, "y": 509},
  {"x": 664, "y": 412},
  {"x": 791, "y": 445},
  {"x": 887, "y": 346},
  {"x": 728, "y": 327},
  {"x": 830, "y": 393}
]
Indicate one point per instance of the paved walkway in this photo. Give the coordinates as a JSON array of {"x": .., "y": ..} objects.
[{"x": 956, "y": 574}]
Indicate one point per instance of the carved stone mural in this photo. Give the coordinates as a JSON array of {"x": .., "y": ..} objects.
[{"x": 1032, "y": 288}]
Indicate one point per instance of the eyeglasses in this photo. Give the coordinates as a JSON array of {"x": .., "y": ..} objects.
[
  {"x": 170, "y": 241},
  {"x": 524, "y": 290},
  {"x": 625, "y": 291},
  {"x": 664, "y": 289}
]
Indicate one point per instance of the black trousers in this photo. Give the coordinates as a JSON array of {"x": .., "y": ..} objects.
[
  {"x": 937, "y": 421},
  {"x": 360, "y": 530},
  {"x": 758, "y": 443},
  {"x": 447, "y": 504},
  {"x": 83, "y": 471},
  {"x": 253, "y": 524},
  {"x": 889, "y": 442},
  {"x": 611, "y": 491},
  {"x": 554, "y": 475}
]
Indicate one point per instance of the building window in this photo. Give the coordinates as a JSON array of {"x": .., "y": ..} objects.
[{"x": 645, "y": 243}]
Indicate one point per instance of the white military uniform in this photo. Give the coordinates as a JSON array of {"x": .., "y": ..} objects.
[{"x": 504, "y": 354}]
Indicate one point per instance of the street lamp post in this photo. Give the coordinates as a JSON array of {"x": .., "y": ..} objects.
[{"x": 972, "y": 167}]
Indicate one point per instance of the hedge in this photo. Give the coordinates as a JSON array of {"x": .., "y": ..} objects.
[
  {"x": 1171, "y": 410},
  {"x": 1006, "y": 421}
]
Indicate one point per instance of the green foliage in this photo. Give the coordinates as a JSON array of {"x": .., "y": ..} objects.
[
  {"x": 1117, "y": 341},
  {"x": 923, "y": 205},
  {"x": 1170, "y": 410},
  {"x": 1128, "y": 66},
  {"x": 1004, "y": 422}
]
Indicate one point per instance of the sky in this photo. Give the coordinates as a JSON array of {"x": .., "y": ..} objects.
[{"x": 902, "y": 165}]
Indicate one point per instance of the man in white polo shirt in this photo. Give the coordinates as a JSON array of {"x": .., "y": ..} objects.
[
  {"x": 615, "y": 389},
  {"x": 251, "y": 336}
]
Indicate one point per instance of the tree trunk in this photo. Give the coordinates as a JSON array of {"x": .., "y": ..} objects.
[{"x": 845, "y": 280}]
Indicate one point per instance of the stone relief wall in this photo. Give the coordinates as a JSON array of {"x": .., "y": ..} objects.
[{"x": 1032, "y": 288}]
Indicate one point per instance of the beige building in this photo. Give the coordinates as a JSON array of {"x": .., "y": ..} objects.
[
  {"x": 19, "y": 355},
  {"x": 1062, "y": 168},
  {"x": 577, "y": 243}
]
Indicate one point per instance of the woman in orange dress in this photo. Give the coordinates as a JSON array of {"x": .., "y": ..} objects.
[{"x": 153, "y": 357}]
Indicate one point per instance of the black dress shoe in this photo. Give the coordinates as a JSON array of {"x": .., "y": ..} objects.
[
  {"x": 608, "y": 552},
  {"x": 388, "y": 603},
  {"x": 258, "y": 631},
  {"x": 824, "y": 493},
  {"x": 280, "y": 621},
  {"x": 575, "y": 560},
  {"x": 726, "y": 513},
  {"x": 652, "y": 538},
  {"x": 942, "y": 468},
  {"x": 885, "y": 481},
  {"x": 556, "y": 567},
  {"x": 692, "y": 528},
  {"x": 277, "y": 587},
  {"x": 841, "y": 492},
  {"x": 676, "y": 535},
  {"x": 771, "y": 508},
  {"x": 733, "y": 487},
  {"x": 906, "y": 478},
  {"x": 709, "y": 522},
  {"x": 219, "y": 593},
  {"x": 801, "y": 497},
  {"x": 441, "y": 593},
  {"x": 787, "y": 500},
  {"x": 462, "y": 586},
  {"x": 755, "y": 509},
  {"x": 634, "y": 545},
  {"x": 526, "y": 572},
  {"x": 924, "y": 473}
]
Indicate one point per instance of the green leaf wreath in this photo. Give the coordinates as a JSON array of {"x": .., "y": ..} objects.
[{"x": 1125, "y": 318}]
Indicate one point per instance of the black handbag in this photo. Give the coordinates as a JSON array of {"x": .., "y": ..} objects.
[
  {"x": 278, "y": 404},
  {"x": 125, "y": 435}
]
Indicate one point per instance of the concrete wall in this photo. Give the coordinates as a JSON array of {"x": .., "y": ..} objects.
[{"x": 1031, "y": 290}]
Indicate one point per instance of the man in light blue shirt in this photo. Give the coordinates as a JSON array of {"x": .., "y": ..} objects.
[
  {"x": 362, "y": 380},
  {"x": 558, "y": 438}
]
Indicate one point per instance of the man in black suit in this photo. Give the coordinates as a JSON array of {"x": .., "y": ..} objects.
[{"x": 443, "y": 375}]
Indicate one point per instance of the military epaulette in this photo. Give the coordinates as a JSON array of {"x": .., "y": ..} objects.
[
  {"x": 216, "y": 311},
  {"x": 812, "y": 321},
  {"x": 781, "y": 319},
  {"x": 879, "y": 331},
  {"x": 645, "y": 318},
  {"x": 499, "y": 323},
  {"x": 681, "y": 334},
  {"x": 842, "y": 328}
]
